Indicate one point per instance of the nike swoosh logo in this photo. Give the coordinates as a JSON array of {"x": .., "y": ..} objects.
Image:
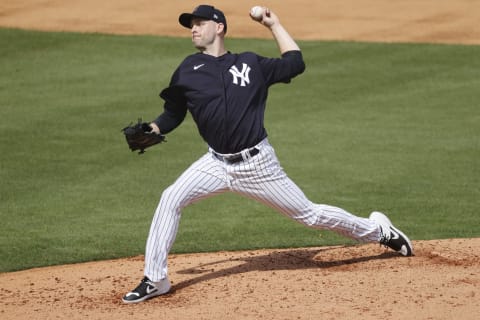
[
  {"x": 395, "y": 235},
  {"x": 198, "y": 66},
  {"x": 151, "y": 289}
]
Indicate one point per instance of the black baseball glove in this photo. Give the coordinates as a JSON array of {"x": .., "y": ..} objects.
[{"x": 140, "y": 136}]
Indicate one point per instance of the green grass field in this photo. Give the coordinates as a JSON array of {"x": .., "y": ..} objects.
[{"x": 392, "y": 127}]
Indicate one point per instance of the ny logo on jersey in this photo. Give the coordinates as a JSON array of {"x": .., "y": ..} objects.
[{"x": 243, "y": 75}]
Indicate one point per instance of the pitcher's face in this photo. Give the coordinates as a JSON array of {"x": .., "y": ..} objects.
[{"x": 204, "y": 32}]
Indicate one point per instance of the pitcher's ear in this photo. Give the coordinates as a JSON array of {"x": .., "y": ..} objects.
[{"x": 221, "y": 27}]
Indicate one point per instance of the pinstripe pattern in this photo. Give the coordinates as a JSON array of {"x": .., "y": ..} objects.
[{"x": 260, "y": 178}]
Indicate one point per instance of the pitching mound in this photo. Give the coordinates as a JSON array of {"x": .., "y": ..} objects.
[{"x": 441, "y": 282}]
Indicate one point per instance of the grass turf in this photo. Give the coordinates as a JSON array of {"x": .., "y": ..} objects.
[{"x": 392, "y": 127}]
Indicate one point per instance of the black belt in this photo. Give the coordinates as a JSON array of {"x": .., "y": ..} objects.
[{"x": 236, "y": 157}]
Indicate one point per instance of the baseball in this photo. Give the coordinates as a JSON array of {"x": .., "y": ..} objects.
[{"x": 256, "y": 13}]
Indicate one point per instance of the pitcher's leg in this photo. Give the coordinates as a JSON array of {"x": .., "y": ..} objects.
[
  {"x": 263, "y": 179},
  {"x": 204, "y": 178},
  {"x": 284, "y": 196},
  {"x": 345, "y": 223}
]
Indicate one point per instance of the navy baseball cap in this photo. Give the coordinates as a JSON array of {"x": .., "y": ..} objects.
[{"x": 203, "y": 12}]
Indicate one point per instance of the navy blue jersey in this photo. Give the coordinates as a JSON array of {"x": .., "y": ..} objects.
[{"x": 226, "y": 96}]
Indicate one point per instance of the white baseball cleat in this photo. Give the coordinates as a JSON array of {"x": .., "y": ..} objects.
[
  {"x": 147, "y": 289},
  {"x": 391, "y": 236}
]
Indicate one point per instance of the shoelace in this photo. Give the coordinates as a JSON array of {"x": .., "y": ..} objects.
[
  {"x": 385, "y": 238},
  {"x": 146, "y": 281}
]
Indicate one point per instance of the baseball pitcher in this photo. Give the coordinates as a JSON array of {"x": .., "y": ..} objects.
[{"x": 226, "y": 94}]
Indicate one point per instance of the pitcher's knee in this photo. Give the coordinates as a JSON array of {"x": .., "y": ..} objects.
[{"x": 171, "y": 200}]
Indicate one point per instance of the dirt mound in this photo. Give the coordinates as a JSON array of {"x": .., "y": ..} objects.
[{"x": 441, "y": 281}]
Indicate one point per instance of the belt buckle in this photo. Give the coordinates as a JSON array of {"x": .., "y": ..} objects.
[
  {"x": 233, "y": 159},
  {"x": 250, "y": 153}
]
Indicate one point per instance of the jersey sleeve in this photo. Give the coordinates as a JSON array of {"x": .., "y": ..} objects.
[
  {"x": 282, "y": 69},
  {"x": 175, "y": 107}
]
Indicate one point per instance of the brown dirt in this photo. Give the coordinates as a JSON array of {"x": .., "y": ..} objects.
[
  {"x": 367, "y": 20},
  {"x": 441, "y": 281}
]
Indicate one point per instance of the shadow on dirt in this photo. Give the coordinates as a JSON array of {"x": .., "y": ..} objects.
[{"x": 294, "y": 259}]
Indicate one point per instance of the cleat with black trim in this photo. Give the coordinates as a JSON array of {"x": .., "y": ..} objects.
[
  {"x": 147, "y": 289},
  {"x": 391, "y": 236}
]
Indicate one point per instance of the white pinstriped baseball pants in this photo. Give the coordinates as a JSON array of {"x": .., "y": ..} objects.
[{"x": 260, "y": 178}]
